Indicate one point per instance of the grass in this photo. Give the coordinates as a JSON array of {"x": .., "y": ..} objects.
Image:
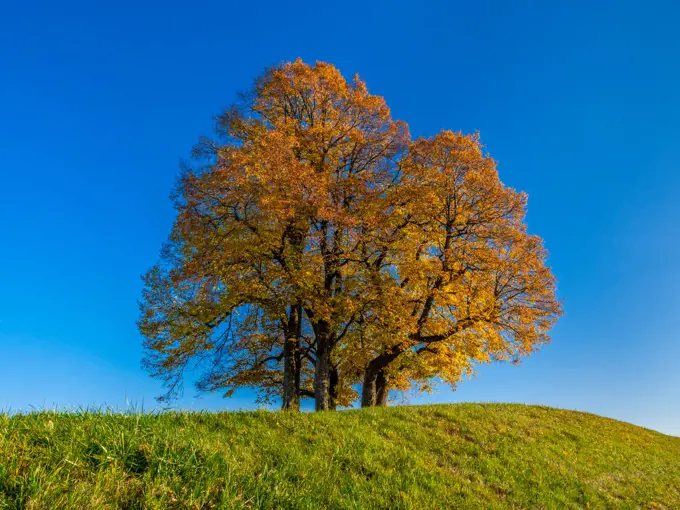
[{"x": 440, "y": 456}]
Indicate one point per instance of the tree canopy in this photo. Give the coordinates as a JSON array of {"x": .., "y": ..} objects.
[{"x": 318, "y": 249}]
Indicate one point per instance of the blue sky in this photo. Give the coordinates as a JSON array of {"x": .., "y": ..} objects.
[{"x": 578, "y": 101}]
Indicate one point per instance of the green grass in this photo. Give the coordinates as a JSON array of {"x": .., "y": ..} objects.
[{"x": 441, "y": 456}]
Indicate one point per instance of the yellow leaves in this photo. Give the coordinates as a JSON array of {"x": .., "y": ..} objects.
[{"x": 312, "y": 194}]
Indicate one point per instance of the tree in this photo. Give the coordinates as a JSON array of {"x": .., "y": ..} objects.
[
  {"x": 316, "y": 248},
  {"x": 272, "y": 219},
  {"x": 468, "y": 283}
]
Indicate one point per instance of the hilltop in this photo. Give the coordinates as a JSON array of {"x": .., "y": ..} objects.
[{"x": 439, "y": 456}]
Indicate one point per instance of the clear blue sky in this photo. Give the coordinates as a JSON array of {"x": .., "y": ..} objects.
[{"x": 578, "y": 101}]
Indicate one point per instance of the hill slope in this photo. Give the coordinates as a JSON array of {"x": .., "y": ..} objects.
[{"x": 442, "y": 456}]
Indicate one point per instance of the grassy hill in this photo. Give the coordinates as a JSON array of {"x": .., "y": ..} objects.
[{"x": 441, "y": 456}]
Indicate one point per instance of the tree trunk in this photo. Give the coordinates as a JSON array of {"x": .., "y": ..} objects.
[
  {"x": 368, "y": 389},
  {"x": 292, "y": 355},
  {"x": 333, "y": 389},
  {"x": 298, "y": 361},
  {"x": 323, "y": 367},
  {"x": 374, "y": 390},
  {"x": 382, "y": 390},
  {"x": 292, "y": 361}
]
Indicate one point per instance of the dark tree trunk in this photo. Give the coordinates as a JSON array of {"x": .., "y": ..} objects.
[
  {"x": 374, "y": 390},
  {"x": 333, "y": 389},
  {"x": 322, "y": 371},
  {"x": 292, "y": 354},
  {"x": 292, "y": 361},
  {"x": 298, "y": 361},
  {"x": 381, "y": 389},
  {"x": 368, "y": 389}
]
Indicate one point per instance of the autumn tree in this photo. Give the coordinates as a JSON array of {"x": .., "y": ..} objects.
[
  {"x": 271, "y": 219},
  {"x": 316, "y": 248},
  {"x": 466, "y": 282}
]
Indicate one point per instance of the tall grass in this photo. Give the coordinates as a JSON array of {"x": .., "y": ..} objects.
[{"x": 441, "y": 456}]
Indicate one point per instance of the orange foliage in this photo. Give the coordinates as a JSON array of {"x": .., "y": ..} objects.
[{"x": 316, "y": 246}]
